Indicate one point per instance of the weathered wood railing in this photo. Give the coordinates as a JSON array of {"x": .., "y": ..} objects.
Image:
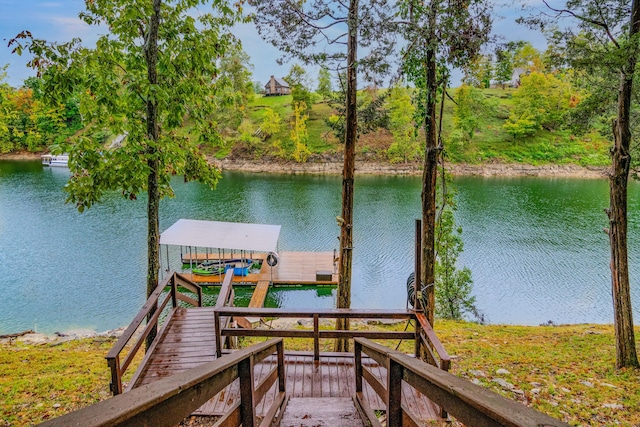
[
  {"x": 423, "y": 334},
  {"x": 168, "y": 401},
  {"x": 470, "y": 404},
  {"x": 173, "y": 280},
  {"x": 226, "y": 298}
]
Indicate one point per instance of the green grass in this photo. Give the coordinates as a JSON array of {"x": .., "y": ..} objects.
[{"x": 564, "y": 371}]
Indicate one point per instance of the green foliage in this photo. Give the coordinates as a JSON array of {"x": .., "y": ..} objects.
[
  {"x": 373, "y": 113},
  {"x": 115, "y": 94},
  {"x": 453, "y": 285},
  {"x": 405, "y": 144},
  {"x": 300, "y": 93},
  {"x": 27, "y": 123},
  {"x": 299, "y": 134},
  {"x": 271, "y": 122},
  {"x": 235, "y": 89},
  {"x": 503, "y": 67},
  {"x": 246, "y": 133},
  {"x": 479, "y": 72},
  {"x": 324, "y": 83},
  {"x": 528, "y": 57},
  {"x": 471, "y": 109},
  {"x": 541, "y": 101}
]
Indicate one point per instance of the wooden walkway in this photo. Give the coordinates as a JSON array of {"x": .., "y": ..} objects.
[
  {"x": 188, "y": 340},
  {"x": 332, "y": 377},
  {"x": 293, "y": 268},
  {"x": 259, "y": 294}
]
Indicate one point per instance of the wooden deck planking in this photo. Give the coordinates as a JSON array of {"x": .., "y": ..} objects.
[
  {"x": 293, "y": 268},
  {"x": 259, "y": 294},
  {"x": 189, "y": 341},
  {"x": 332, "y": 377}
]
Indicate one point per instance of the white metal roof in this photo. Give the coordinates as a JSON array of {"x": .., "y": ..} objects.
[{"x": 222, "y": 235}]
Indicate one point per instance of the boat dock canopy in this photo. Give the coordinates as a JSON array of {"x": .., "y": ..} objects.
[{"x": 222, "y": 235}]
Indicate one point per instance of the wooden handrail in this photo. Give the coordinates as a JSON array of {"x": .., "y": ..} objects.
[
  {"x": 469, "y": 403},
  {"x": 226, "y": 291},
  {"x": 168, "y": 401},
  {"x": 172, "y": 280},
  {"x": 225, "y": 298},
  {"x": 431, "y": 343},
  {"x": 316, "y": 334},
  {"x": 323, "y": 313}
]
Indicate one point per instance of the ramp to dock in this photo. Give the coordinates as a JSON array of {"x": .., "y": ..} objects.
[{"x": 259, "y": 294}]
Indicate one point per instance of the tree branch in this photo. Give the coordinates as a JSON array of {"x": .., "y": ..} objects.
[{"x": 600, "y": 24}]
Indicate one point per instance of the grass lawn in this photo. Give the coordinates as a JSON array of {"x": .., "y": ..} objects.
[{"x": 565, "y": 371}]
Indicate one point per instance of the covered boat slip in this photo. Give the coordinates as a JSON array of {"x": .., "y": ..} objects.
[{"x": 227, "y": 244}]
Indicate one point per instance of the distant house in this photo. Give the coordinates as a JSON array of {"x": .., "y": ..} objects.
[
  {"x": 515, "y": 76},
  {"x": 276, "y": 87}
]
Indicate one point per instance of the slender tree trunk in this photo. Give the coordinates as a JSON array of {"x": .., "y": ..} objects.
[
  {"x": 621, "y": 159},
  {"x": 348, "y": 173},
  {"x": 430, "y": 172},
  {"x": 153, "y": 204}
]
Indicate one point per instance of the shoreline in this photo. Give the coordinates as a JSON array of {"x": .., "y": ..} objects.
[
  {"x": 368, "y": 167},
  {"x": 31, "y": 337},
  {"x": 332, "y": 165}
]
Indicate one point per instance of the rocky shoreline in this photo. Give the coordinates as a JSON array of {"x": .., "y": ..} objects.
[
  {"x": 329, "y": 164},
  {"x": 368, "y": 167},
  {"x": 34, "y": 338}
]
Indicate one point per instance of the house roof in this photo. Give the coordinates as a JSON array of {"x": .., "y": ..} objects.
[
  {"x": 222, "y": 235},
  {"x": 280, "y": 81}
]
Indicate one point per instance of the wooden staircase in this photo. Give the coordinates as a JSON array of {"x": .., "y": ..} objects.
[{"x": 320, "y": 412}]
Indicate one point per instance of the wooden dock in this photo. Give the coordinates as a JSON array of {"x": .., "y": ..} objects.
[{"x": 293, "y": 268}]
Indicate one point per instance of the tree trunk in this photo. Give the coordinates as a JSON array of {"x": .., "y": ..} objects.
[
  {"x": 621, "y": 159},
  {"x": 348, "y": 172},
  {"x": 430, "y": 172},
  {"x": 153, "y": 204}
]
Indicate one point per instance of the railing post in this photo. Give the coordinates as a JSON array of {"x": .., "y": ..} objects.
[
  {"x": 394, "y": 402},
  {"x": 316, "y": 337},
  {"x": 116, "y": 375},
  {"x": 417, "y": 340},
  {"x": 417, "y": 305},
  {"x": 216, "y": 325},
  {"x": 357, "y": 351},
  {"x": 245, "y": 373},
  {"x": 281, "y": 370},
  {"x": 174, "y": 291}
]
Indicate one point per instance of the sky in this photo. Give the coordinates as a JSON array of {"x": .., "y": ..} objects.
[{"x": 57, "y": 20}]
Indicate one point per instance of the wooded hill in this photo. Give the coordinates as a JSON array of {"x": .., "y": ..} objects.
[
  {"x": 271, "y": 128},
  {"x": 478, "y": 127}
]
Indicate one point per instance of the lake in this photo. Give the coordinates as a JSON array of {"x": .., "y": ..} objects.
[{"x": 535, "y": 245}]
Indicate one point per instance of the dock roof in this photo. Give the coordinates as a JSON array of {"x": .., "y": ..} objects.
[{"x": 222, "y": 235}]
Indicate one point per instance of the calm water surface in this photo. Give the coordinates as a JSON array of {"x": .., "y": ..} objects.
[{"x": 535, "y": 246}]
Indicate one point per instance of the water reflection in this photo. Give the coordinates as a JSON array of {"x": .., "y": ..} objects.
[{"x": 535, "y": 246}]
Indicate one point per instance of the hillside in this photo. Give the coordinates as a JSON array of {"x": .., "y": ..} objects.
[{"x": 489, "y": 144}]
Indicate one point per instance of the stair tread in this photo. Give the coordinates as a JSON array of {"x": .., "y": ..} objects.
[{"x": 321, "y": 411}]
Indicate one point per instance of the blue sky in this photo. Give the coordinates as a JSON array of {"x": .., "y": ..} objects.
[{"x": 57, "y": 20}]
